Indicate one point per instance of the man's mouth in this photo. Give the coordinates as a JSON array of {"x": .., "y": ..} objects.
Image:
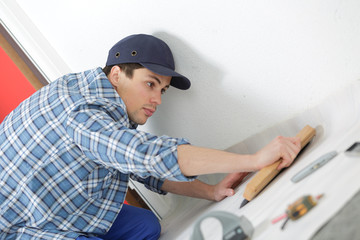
[{"x": 149, "y": 112}]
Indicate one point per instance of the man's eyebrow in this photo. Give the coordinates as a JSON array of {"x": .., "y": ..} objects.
[{"x": 158, "y": 80}]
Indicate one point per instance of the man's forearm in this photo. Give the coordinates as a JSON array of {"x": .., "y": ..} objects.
[
  {"x": 196, "y": 189},
  {"x": 197, "y": 161}
]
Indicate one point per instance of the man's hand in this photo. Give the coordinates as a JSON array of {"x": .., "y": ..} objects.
[
  {"x": 281, "y": 148},
  {"x": 225, "y": 188}
]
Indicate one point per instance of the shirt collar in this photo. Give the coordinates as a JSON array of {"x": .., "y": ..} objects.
[{"x": 105, "y": 89}]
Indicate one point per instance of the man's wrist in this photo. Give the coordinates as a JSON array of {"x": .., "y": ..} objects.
[{"x": 252, "y": 163}]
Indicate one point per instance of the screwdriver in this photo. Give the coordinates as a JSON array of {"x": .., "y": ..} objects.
[{"x": 298, "y": 209}]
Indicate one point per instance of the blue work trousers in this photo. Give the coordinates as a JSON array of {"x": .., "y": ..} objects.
[{"x": 132, "y": 223}]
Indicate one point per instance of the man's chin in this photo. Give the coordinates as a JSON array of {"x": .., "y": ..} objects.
[{"x": 141, "y": 122}]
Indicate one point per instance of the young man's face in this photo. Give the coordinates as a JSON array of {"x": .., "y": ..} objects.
[{"x": 141, "y": 93}]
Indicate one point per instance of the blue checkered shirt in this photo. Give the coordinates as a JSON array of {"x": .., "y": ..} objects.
[{"x": 66, "y": 156}]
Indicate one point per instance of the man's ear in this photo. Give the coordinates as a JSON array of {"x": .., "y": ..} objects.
[{"x": 114, "y": 75}]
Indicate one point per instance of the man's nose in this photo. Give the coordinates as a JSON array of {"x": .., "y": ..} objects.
[{"x": 156, "y": 98}]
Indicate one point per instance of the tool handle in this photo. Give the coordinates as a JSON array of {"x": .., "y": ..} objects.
[{"x": 265, "y": 175}]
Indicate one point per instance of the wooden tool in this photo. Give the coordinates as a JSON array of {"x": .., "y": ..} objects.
[{"x": 265, "y": 175}]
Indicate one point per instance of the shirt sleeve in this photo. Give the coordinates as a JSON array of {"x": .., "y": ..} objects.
[
  {"x": 150, "y": 183},
  {"x": 101, "y": 130}
]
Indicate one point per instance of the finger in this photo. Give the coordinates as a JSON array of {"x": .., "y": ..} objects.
[
  {"x": 296, "y": 144},
  {"x": 234, "y": 179},
  {"x": 229, "y": 192},
  {"x": 295, "y": 140},
  {"x": 223, "y": 193},
  {"x": 286, "y": 145},
  {"x": 298, "y": 141},
  {"x": 292, "y": 149},
  {"x": 292, "y": 153},
  {"x": 282, "y": 164},
  {"x": 240, "y": 179},
  {"x": 286, "y": 160}
]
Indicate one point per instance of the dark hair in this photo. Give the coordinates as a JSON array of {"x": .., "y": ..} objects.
[{"x": 128, "y": 68}]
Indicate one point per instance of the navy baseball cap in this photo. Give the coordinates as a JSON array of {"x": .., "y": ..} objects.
[{"x": 150, "y": 52}]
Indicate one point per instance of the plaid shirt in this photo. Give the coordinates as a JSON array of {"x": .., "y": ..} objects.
[{"x": 66, "y": 156}]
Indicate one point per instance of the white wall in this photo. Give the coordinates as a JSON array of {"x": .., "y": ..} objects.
[{"x": 252, "y": 63}]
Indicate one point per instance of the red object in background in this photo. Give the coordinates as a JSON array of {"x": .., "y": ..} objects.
[{"x": 14, "y": 87}]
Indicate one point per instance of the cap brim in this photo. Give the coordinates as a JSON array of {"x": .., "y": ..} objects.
[{"x": 177, "y": 80}]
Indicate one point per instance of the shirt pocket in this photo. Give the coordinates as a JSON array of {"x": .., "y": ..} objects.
[{"x": 98, "y": 182}]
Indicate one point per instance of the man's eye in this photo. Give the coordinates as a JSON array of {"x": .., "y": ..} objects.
[
  {"x": 150, "y": 84},
  {"x": 163, "y": 91}
]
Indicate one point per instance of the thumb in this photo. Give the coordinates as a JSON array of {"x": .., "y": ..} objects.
[
  {"x": 223, "y": 193},
  {"x": 229, "y": 192}
]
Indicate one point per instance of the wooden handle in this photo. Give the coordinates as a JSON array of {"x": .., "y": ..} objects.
[{"x": 265, "y": 175}]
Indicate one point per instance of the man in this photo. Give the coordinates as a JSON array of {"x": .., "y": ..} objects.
[{"x": 68, "y": 151}]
